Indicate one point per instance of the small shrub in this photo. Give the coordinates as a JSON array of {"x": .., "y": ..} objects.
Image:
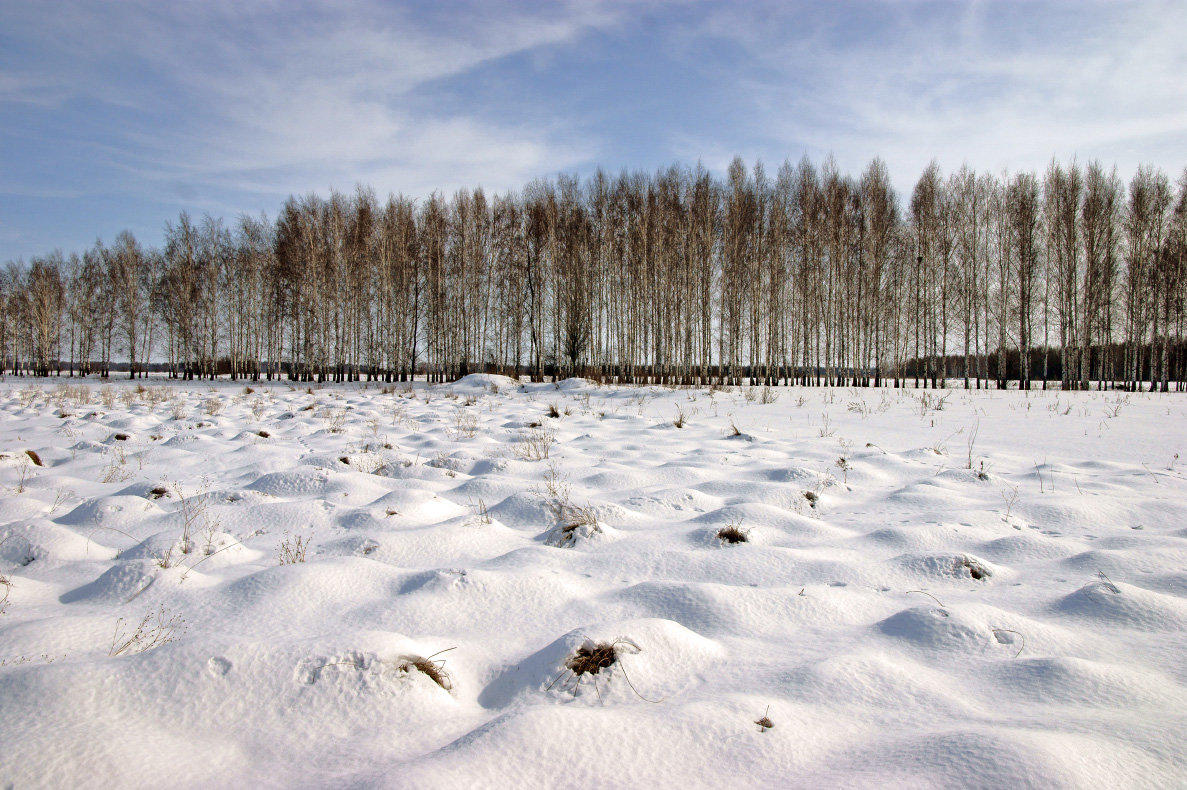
[
  {"x": 164, "y": 559},
  {"x": 292, "y": 549},
  {"x": 149, "y": 633},
  {"x": 534, "y": 445},
  {"x": 483, "y": 515},
  {"x": 115, "y": 472},
  {"x": 212, "y": 406},
  {"x": 465, "y": 425},
  {"x": 812, "y": 497},
  {"x": 24, "y": 464},
  {"x": 195, "y": 515},
  {"x": 553, "y": 411},
  {"x": 335, "y": 420}
]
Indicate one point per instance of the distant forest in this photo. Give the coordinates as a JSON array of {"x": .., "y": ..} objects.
[{"x": 804, "y": 276}]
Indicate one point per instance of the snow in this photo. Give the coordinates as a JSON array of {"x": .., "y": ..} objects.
[{"x": 989, "y": 594}]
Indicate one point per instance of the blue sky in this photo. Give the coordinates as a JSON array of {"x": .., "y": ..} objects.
[{"x": 119, "y": 115}]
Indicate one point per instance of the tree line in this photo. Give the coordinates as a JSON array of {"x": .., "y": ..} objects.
[{"x": 805, "y": 276}]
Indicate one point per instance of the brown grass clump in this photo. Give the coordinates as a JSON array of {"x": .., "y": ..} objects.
[
  {"x": 263, "y": 434},
  {"x": 975, "y": 569},
  {"x": 121, "y": 437},
  {"x": 435, "y": 669},
  {"x": 765, "y": 722},
  {"x": 576, "y": 523},
  {"x": 553, "y": 411},
  {"x": 159, "y": 492},
  {"x": 34, "y": 457},
  {"x": 592, "y": 657},
  {"x": 732, "y": 533}
]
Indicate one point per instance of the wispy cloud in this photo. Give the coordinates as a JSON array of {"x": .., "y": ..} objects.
[
  {"x": 286, "y": 97},
  {"x": 999, "y": 84}
]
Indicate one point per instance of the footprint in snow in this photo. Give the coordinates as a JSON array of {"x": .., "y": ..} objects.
[{"x": 218, "y": 666}]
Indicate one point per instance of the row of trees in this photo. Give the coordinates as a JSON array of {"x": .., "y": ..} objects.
[{"x": 807, "y": 275}]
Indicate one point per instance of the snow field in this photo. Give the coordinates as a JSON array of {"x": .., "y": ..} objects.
[{"x": 936, "y": 588}]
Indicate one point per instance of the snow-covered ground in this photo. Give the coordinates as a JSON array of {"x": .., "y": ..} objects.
[{"x": 975, "y": 589}]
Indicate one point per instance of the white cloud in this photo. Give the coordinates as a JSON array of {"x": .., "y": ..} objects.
[{"x": 287, "y": 97}]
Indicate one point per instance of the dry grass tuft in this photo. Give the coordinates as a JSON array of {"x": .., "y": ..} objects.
[
  {"x": 7, "y": 585},
  {"x": 975, "y": 568},
  {"x": 593, "y": 657},
  {"x": 431, "y": 666},
  {"x": 292, "y": 549},
  {"x": 765, "y": 722},
  {"x": 732, "y": 533},
  {"x": 535, "y": 444},
  {"x": 34, "y": 457},
  {"x": 575, "y": 523},
  {"x": 154, "y": 629}
]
